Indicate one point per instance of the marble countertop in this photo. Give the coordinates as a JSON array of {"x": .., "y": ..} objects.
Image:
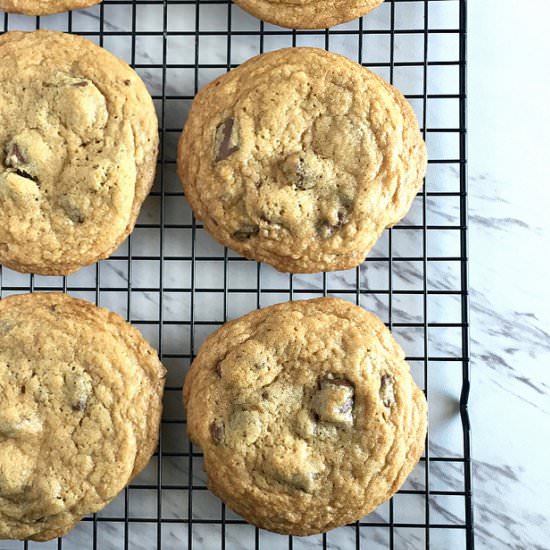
[
  {"x": 509, "y": 236},
  {"x": 509, "y": 136}
]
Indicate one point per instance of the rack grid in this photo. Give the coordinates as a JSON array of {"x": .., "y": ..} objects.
[{"x": 176, "y": 284}]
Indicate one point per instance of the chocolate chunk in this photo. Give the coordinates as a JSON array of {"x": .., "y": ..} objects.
[
  {"x": 73, "y": 213},
  {"x": 14, "y": 156},
  {"x": 226, "y": 140},
  {"x": 246, "y": 232},
  {"x": 77, "y": 218},
  {"x": 80, "y": 404},
  {"x": 17, "y": 160},
  {"x": 217, "y": 431},
  {"x": 347, "y": 404},
  {"x": 24, "y": 174},
  {"x": 334, "y": 401},
  {"x": 386, "y": 390},
  {"x": 127, "y": 82}
]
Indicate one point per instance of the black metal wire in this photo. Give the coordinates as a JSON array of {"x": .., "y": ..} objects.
[
  {"x": 131, "y": 256},
  {"x": 468, "y": 505},
  {"x": 391, "y": 521}
]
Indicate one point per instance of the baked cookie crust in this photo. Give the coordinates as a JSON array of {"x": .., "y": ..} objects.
[
  {"x": 300, "y": 158},
  {"x": 307, "y": 415},
  {"x": 80, "y": 411},
  {"x": 308, "y": 14},
  {"x": 78, "y": 150}
]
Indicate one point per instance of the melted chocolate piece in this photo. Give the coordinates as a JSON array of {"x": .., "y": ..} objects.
[
  {"x": 14, "y": 157},
  {"x": 227, "y": 140},
  {"x": 217, "y": 432}
]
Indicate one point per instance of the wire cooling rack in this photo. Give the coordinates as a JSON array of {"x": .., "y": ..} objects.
[{"x": 177, "y": 285}]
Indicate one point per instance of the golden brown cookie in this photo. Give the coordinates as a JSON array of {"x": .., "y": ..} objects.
[
  {"x": 78, "y": 149},
  {"x": 308, "y": 14},
  {"x": 44, "y": 7},
  {"x": 79, "y": 415},
  {"x": 301, "y": 158},
  {"x": 307, "y": 415}
]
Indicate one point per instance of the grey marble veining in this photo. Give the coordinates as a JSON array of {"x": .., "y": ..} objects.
[{"x": 510, "y": 302}]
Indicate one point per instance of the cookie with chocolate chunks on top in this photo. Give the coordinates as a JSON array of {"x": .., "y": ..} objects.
[
  {"x": 307, "y": 415},
  {"x": 301, "y": 158},
  {"x": 78, "y": 150},
  {"x": 79, "y": 415}
]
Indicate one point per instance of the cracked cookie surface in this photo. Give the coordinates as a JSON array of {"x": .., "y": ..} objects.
[
  {"x": 308, "y": 14},
  {"x": 80, "y": 411},
  {"x": 307, "y": 414},
  {"x": 301, "y": 158},
  {"x": 78, "y": 149}
]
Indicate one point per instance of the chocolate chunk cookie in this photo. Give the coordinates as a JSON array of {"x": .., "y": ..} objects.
[
  {"x": 78, "y": 149},
  {"x": 79, "y": 414},
  {"x": 307, "y": 415},
  {"x": 301, "y": 158},
  {"x": 44, "y": 7},
  {"x": 308, "y": 14}
]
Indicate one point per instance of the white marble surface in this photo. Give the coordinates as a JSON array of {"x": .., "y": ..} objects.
[
  {"x": 508, "y": 242},
  {"x": 509, "y": 268}
]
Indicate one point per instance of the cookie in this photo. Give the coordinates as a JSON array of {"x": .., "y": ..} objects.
[
  {"x": 301, "y": 158},
  {"x": 78, "y": 150},
  {"x": 308, "y": 14},
  {"x": 79, "y": 415},
  {"x": 44, "y": 7},
  {"x": 307, "y": 415}
]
